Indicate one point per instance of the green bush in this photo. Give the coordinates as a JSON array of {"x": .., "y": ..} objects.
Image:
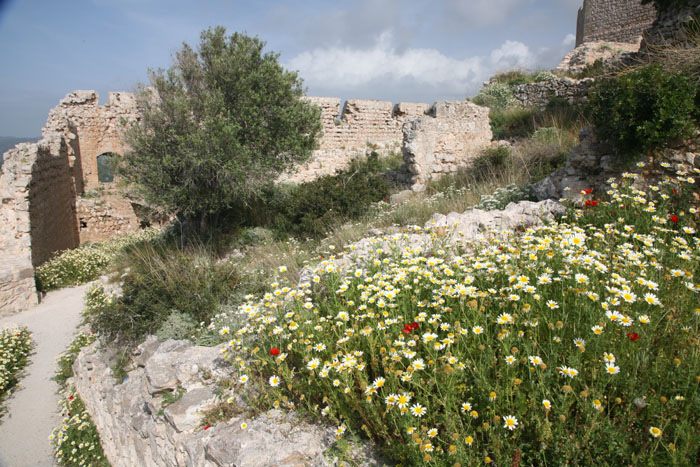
[
  {"x": 160, "y": 280},
  {"x": 496, "y": 96},
  {"x": 309, "y": 209},
  {"x": 512, "y": 122},
  {"x": 644, "y": 109},
  {"x": 490, "y": 159},
  {"x": 544, "y": 76}
]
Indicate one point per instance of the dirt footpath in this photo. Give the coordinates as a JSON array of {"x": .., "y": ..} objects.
[{"x": 33, "y": 408}]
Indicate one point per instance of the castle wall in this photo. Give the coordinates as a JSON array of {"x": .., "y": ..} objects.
[
  {"x": 613, "y": 20},
  {"x": 362, "y": 125}
]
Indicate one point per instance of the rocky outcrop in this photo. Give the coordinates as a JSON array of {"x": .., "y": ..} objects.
[
  {"x": 136, "y": 428},
  {"x": 589, "y": 52},
  {"x": 592, "y": 163},
  {"x": 589, "y": 166},
  {"x": 448, "y": 137}
]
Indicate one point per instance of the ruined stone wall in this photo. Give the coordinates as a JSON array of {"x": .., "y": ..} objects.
[
  {"x": 448, "y": 137},
  {"x": 672, "y": 27},
  {"x": 37, "y": 215},
  {"x": 613, "y": 20},
  {"x": 362, "y": 125},
  {"x": 574, "y": 91},
  {"x": 105, "y": 217}
]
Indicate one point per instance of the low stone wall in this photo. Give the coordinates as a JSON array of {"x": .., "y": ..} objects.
[
  {"x": 136, "y": 430},
  {"x": 574, "y": 91},
  {"x": 17, "y": 289},
  {"x": 447, "y": 138}
]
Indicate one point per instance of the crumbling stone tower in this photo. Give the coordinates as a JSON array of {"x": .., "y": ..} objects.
[{"x": 613, "y": 20}]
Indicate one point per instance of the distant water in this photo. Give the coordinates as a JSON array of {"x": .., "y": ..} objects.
[{"x": 9, "y": 142}]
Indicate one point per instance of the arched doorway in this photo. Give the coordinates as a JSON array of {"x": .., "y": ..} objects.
[{"x": 105, "y": 167}]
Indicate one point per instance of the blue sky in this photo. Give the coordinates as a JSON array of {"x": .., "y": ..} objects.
[{"x": 397, "y": 50}]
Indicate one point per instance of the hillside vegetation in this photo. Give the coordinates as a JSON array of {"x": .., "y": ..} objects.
[{"x": 575, "y": 342}]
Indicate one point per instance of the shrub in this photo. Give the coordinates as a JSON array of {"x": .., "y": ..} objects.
[
  {"x": 309, "y": 209},
  {"x": 15, "y": 346},
  {"x": 512, "y": 122},
  {"x": 159, "y": 281},
  {"x": 502, "y": 197},
  {"x": 544, "y": 76},
  {"x": 643, "y": 110},
  {"x": 496, "y": 96}
]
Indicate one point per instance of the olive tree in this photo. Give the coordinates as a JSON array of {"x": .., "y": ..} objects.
[{"x": 217, "y": 128}]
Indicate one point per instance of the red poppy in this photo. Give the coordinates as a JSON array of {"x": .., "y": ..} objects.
[
  {"x": 591, "y": 202},
  {"x": 587, "y": 191},
  {"x": 674, "y": 191},
  {"x": 70, "y": 398},
  {"x": 406, "y": 330},
  {"x": 414, "y": 325},
  {"x": 633, "y": 336},
  {"x": 274, "y": 351},
  {"x": 207, "y": 427},
  {"x": 674, "y": 218}
]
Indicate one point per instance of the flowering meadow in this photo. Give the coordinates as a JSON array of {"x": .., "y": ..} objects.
[
  {"x": 76, "y": 441},
  {"x": 570, "y": 343},
  {"x": 81, "y": 265},
  {"x": 15, "y": 346}
]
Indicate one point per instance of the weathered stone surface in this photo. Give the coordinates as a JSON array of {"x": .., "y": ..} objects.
[
  {"x": 574, "y": 91},
  {"x": 361, "y": 127},
  {"x": 133, "y": 433},
  {"x": 589, "y": 52},
  {"x": 448, "y": 137},
  {"x": 613, "y": 20},
  {"x": 475, "y": 224}
]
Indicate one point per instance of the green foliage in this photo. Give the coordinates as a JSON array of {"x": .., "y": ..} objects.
[
  {"x": 76, "y": 442},
  {"x": 178, "y": 326},
  {"x": 512, "y": 122},
  {"x": 160, "y": 280},
  {"x": 592, "y": 70},
  {"x": 496, "y": 96},
  {"x": 544, "y": 76},
  {"x": 575, "y": 333},
  {"x": 663, "y": 5},
  {"x": 15, "y": 346},
  {"x": 488, "y": 160},
  {"x": 66, "y": 359},
  {"x": 223, "y": 123},
  {"x": 309, "y": 209},
  {"x": 87, "y": 263},
  {"x": 502, "y": 197},
  {"x": 105, "y": 168},
  {"x": 643, "y": 110}
]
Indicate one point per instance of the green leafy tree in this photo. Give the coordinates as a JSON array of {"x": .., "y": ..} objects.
[{"x": 217, "y": 128}]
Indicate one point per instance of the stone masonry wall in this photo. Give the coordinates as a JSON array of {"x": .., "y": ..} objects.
[
  {"x": 37, "y": 215},
  {"x": 574, "y": 91},
  {"x": 362, "y": 125},
  {"x": 670, "y": 26},
  {"x": 449, "y": 136},
  {"x": 613, "y": 20},
  {"x": 102, "y": 218}
]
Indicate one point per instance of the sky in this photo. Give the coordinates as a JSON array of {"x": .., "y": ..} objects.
[{"x": 395, "y": 50}]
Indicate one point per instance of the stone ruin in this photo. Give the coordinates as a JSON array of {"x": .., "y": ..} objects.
[
  {"x": 52, "y": 198},
  {"x": 613, "y": 20}
]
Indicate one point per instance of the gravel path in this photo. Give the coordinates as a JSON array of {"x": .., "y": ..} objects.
[{"x": 32, "y": 409}]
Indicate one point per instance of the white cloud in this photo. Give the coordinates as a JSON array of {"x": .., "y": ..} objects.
[
  {"x": 481, "y": 12},
  {"x": 347, "y": 69}
]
